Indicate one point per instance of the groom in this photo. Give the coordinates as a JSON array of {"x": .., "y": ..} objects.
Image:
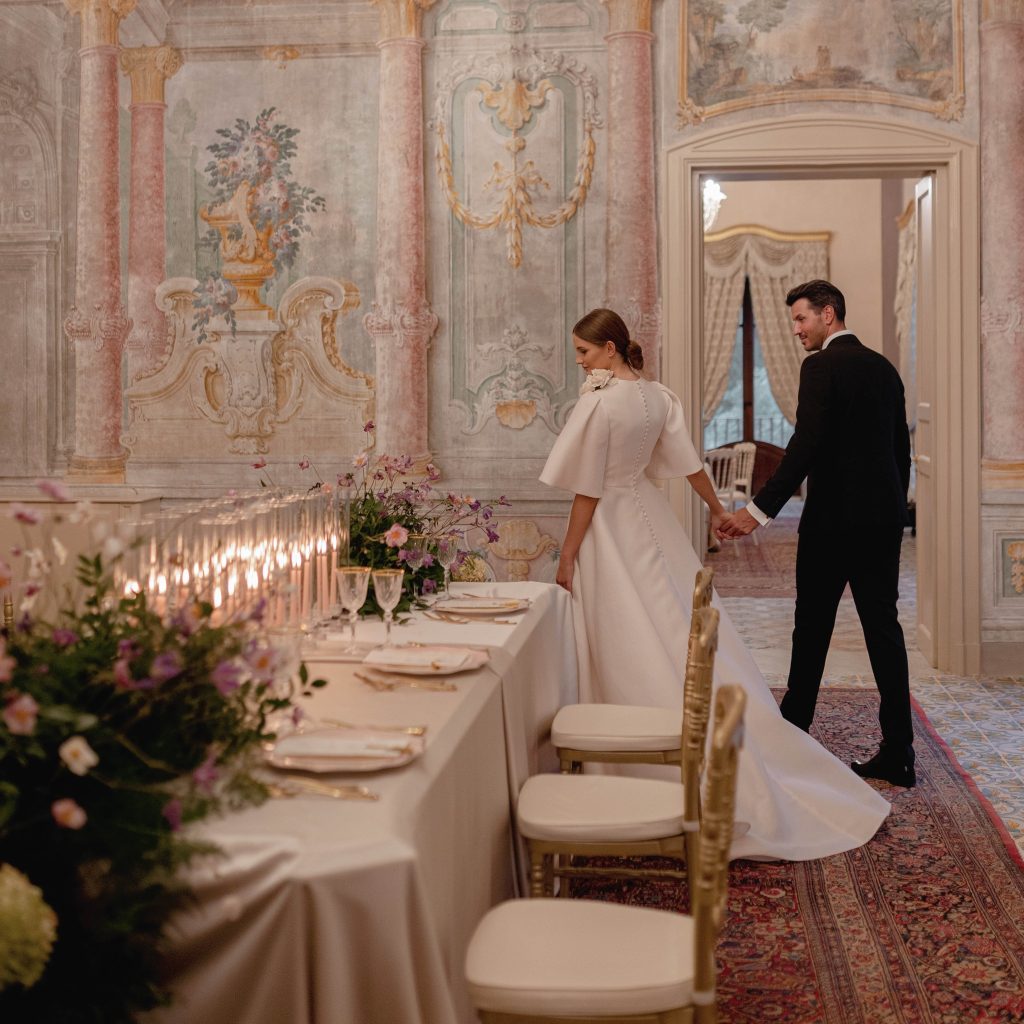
[{"x": 852, "y": 445}]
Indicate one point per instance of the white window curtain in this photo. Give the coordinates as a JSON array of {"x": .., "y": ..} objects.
[{"x": 775, "y": 262}]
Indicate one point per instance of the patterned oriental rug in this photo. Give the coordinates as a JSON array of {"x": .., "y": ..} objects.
[
  {"x": 765, "y": 569},
  {"x": 922, "y": 925}
]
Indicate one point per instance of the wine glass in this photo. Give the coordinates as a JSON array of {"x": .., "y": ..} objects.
[
  {"x": 353, "y": 582},
  {"x": 447, "y": 550},
  {"x": 415, "y": 549},
  {"x": 387, "y": 588}
]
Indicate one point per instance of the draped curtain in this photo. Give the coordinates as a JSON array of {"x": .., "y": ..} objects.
[
  {"x": 724, "y": 273},
  {"x": 774, "y": 263}
]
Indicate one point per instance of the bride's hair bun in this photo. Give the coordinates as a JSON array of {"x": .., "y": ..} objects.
[
  {"x": 634, "y": 355},
  {"x": 600, "y": 326}
]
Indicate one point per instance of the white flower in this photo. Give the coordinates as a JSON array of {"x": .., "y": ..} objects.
[
  {"x": 28, "y": 928},
  {"x": 597, "y": 379},
  {"x": 360, "y": 460},
  {"x": 78, "y": 755},
  {"x": 60, "y": 551}
]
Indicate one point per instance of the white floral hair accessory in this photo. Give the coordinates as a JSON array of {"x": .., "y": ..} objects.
[{"x": 597, "y": 379}]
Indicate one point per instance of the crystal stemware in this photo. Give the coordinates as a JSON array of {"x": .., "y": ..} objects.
[
  {"x": 415, "y": 549},
  {"x": 353, "y": 583},
  {"x": 387, "y": 588},
  {"x": 447, "y": 550}
]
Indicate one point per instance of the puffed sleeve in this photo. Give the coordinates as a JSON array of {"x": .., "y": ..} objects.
[
  {"x": 577, "y": 460},
  {"x": 674, "y": 454}
]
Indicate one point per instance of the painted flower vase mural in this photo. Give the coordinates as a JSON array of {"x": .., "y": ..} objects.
[{"x": 256, "y": 217}]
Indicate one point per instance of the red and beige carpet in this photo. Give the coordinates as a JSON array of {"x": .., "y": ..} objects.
[{"x": 922, "y": 925}]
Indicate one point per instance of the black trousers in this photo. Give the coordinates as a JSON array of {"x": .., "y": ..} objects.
[{"x": 869, "y": 560}]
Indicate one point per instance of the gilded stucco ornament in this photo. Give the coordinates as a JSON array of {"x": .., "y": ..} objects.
[{"x": 515, "y": 86}]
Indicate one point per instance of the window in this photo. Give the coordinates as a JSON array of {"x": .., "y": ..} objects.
[{"x": 748, "y": 411}]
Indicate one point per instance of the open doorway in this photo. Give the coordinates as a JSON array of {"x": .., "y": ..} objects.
[{"x": 947, "y": 314}]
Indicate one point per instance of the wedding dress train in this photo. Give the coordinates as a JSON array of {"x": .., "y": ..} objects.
[{"x": 632, "y": 596}]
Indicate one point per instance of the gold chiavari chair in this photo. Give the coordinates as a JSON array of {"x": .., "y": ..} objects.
[
  {"x": 563, "y": 817},
  {"x": 625, "y": 733},
  {"x": 556, "y": 961}
]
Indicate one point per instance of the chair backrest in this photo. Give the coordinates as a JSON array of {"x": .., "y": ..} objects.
[
  {"x": 745, "y": 451},
  {"x": 700, "y": 667},
  {"x": 708, "y": 901},
  {"x": 702, "y": 594},
  {"x": 721, "y": 465}
]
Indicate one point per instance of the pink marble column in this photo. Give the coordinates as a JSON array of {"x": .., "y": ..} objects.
[
  {"x": 149, "y": 67},
  {"x": 632, "y": 255},
  {"x": 1002, "y": 243},
  {"x": 97, "y": 325},
  {"x": 401, "y": 321}
]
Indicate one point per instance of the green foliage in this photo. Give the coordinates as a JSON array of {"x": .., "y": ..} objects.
[{"x": 119, "y": 726}]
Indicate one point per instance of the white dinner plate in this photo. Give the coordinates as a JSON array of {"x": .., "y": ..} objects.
[
  {"x": 483, "y": 606},
  {"x": 424, "y": 660},
  {"x": 343, "y": 750}
]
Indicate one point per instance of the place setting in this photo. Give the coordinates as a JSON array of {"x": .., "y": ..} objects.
[{"x": 468, "y": 608}]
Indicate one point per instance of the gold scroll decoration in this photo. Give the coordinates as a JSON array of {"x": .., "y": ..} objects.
[{"x": 517, "y": 97}]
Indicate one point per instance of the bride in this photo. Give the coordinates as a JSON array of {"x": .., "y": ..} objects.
[{"x": 630, "y": 569}]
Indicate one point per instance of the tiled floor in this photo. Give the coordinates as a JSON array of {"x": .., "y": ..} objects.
[{"x": 982, "y": 720}]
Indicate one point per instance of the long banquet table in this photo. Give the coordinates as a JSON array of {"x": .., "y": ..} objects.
[{"x": 344, "y": 912}]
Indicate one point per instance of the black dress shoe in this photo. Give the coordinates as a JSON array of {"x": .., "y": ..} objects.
[{"x": 897, "y": 769}]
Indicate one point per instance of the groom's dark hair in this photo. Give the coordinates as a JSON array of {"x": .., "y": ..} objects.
[{"x": 818, "y": 295}]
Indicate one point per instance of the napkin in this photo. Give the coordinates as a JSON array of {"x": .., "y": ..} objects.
[
  {"x": 450, "y": 658},
  {"x": 342, "y": 746}
]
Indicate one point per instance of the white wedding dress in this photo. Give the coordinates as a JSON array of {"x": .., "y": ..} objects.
[{"x": 632, "y": 599}]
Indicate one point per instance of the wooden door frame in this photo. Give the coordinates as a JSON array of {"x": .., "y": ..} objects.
[{"x": 814, "y": 146}]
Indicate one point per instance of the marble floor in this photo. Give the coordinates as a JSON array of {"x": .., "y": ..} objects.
[{"x": 981, "y": 719}]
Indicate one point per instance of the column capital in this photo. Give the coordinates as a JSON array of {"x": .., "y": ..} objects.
[
  {"x": 149, "y": 67},
  {"x": 1002, "y": 11},
  {"x": 628, "y": 15},
  {"x": 100, "y": 19},
  {"x": 402, "y": 19}
]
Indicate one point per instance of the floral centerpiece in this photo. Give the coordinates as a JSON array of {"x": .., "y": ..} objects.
[
  {"x": 390, "y": 502},
  {"x": 256, "y": 216},
  {"x": 118, "y": 726}
]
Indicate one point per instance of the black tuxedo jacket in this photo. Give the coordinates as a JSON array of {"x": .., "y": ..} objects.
[{"x": 851, "y": 442}]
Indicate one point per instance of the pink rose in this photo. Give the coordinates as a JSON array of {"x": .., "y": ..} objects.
[
  {"x": 396, "y": 535},
  {"x": 20, "y": 715},
  {"x": 68, "y": 814}
]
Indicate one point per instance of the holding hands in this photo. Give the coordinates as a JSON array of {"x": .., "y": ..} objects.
[{"x": 731, "y": 527}]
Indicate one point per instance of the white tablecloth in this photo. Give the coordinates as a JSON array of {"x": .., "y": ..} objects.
[{"x": 342, "y": 912}]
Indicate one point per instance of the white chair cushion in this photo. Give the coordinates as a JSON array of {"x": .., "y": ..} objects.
[
  {"x": 580, "y": 957},
  {"x": 599, "y": 807},
  {"x": 617, "y": 727}
]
